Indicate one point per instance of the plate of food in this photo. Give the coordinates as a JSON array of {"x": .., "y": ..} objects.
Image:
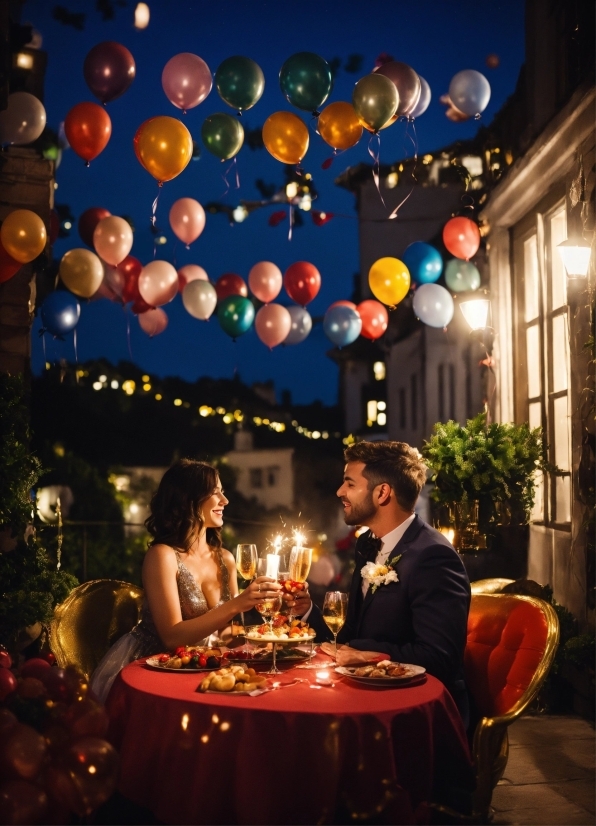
[
  {"x": 233, "y": 680},
  {"x": 284, "y": 632},
  {"x": 384, "y": 673},
  {"x": 265, "y": 655},
  {"x": 187, "y": 658}
]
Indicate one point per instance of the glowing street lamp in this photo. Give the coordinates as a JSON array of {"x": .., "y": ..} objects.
[
  {"x": 475, "y": 312},
  {"x": 575, "y": 254}
]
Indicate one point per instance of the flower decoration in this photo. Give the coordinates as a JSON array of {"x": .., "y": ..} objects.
[{"x": 377, "y": 575}]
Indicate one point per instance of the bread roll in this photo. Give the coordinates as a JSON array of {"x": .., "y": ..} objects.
[{"x": 222, "y": 682}]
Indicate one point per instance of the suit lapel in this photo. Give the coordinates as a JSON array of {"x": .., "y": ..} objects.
[{"x": 402, "y": 546}]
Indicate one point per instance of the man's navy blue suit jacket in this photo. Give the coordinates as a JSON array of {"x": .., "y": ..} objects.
[{"x": 422, "y": 619}]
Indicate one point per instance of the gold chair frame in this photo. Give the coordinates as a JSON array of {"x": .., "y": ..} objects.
[
  {"x": 91, "y": 619},
  {"x": 489, "y": 586}
]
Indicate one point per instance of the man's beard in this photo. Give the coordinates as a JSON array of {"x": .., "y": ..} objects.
[{"x": 361, "y": 513}]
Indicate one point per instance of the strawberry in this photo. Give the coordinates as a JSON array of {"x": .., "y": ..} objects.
[{"x": 202, "y": 661}]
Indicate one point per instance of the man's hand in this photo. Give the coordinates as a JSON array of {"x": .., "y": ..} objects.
[
  {"x": 351, "y": 656},
  {"x": 299, "y": 602}
]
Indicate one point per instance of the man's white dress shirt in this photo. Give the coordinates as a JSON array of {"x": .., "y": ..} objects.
[{"x": 389, "y": 541}]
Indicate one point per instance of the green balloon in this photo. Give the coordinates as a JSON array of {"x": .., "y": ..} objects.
[
  {"x": 240, "y": 82},
  {"x": 236, "y": 315},
  {"x": 461, "y": 276},
  {"x": 222, "y": 135},
  {"x": 306, "y": 80},
  {"x": 375, "y": 100}
]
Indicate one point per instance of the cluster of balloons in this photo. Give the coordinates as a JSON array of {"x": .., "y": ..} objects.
[
  {"x": 55, "y": 762},
  {"x": 344, "y": 321}
]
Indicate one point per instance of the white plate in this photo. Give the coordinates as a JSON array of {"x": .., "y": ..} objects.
[
  {"x": 414, "y": 672},
  {"x": 153, "y": 662},
  {"x": 265, "y": 639}
]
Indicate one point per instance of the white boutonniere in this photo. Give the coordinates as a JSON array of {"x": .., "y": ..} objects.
[{"x": 376, "y": 574}]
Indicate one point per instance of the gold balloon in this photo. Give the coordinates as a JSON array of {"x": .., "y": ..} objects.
[
  {"x": 23, "y": 235},
  {"x": 163, "y": 145},
  {"x": 375, "y": 100},
  {"x": 339, "y": 125},
  {"x": 389, "y": 280},
  {"x": 286, "y": 137},
  {"x": 82, "y": 272}
]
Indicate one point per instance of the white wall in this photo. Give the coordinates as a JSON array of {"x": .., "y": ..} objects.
[{"x": 274, "y": 469}]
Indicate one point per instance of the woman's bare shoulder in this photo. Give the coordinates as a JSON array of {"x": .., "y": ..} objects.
[
  {"x": 160, "y": 554},
  {"x": 228, "y": 557}
]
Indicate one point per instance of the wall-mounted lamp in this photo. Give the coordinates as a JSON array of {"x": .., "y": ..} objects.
[
  {"x": 476, "y": 311},
  {"x": 575, "y": 254}
]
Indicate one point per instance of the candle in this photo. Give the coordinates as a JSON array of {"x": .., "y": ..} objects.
[
  {"x": 324, "y": 678},
  {"x": 272, "y": 566}
]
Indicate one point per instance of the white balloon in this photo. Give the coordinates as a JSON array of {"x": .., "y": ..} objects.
[
  {"x": 469, "y": 92},
  {"x": 433, "y": 305},
  {"x": 23, "y": 120},
  {"x": 301, "y": 325},
  {"x": 423, "y": 100},
  {"x": 199, "y": 299}
]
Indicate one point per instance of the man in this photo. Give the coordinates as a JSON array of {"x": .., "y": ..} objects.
[{"x": 416, "y": 609}]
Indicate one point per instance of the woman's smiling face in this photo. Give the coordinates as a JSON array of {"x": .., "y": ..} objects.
[{"x": 212, "y": 508}]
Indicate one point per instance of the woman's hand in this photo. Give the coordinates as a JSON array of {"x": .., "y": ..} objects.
[
  {"x": 261, "y": 588},
  {"x": 299, "y": 602}
]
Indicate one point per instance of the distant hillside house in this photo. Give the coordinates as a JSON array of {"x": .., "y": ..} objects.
[{"x": 266, "y": 474}]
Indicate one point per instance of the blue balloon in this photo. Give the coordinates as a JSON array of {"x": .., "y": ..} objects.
[
  {"x": 433, "y": 305},
  {"x": 461, "y": 276},
  {"x": 60, "y": 313},
  {"x": 469, "y": 92},
  {"x": 424, "y": 262},
  {"x": 342, "y": 325},
  {"x": 301, "y": 325}
]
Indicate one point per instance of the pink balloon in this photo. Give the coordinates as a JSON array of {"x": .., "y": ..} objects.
[
  {"x": 112, "y": 239},
  {"x": 153, "y": 322},
  {"x": 158, "y": 283},
  {"x": 343, "y": 303},
  {"x": 273, "y": 323},
  {"x": 187, "y": 219},
  {"x": 186, "y": 80},
  {"x": 112, "y": 285},
  {"x": 190, "y": 272},
  {"x": 265, "y": 280}
]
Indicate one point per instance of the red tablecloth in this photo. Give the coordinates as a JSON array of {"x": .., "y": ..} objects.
[{"x": 294, "y": 756}]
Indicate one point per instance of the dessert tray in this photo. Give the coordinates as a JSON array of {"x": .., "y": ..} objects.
[{"x": 185, "y": 659}]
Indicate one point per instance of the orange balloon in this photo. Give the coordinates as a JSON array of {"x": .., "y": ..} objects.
[
  {"x": 88, "y": 129},
  {"x": 163, "y": 146},
  {"x": 23, "y": 235},
  {"x": 285, "y": 137},
  {"x": 339, "y": 125}
]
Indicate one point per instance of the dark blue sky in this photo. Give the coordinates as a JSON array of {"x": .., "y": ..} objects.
[{"x": 435, "y": 37}]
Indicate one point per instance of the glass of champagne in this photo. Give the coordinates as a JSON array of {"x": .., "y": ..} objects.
[
  {"x": 269, "y": 608},
  {"x": 246, "y": 565},
  {"x": 299, "y": 567},
  {"x": 335, "y": 608}
]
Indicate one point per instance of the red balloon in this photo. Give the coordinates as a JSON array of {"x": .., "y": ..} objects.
[
  {"x": 375, "y": 318},
  {"x": 140, "y": 306},
  {"x": 230, "y": 284},
  {"x": 87, "y": 790},
  {"x": 461, "y": 236},
  {"x": 22, "y": 802},
  {"x": 87, "y": 718},
  {"x": 7, "y": 720},
  {"x": 8, "y": 683},
  {"x": 48, "y": 656},
  {"x": 130, "y": 269},
  {"x": 302, "y": 282},
  {"x": 57, "y": 684},
  {"x": 5, "y": 659},
  {"x": 88, "y": 221},
  {"x": 8, "y": 265},
  {"x": 35, "y": 667},
  {"x": 109, "y": 69},
  {"x": 88, "y": 128},
  {"x": 22, "y": 752},
  {"x": 344, "y": 303}
]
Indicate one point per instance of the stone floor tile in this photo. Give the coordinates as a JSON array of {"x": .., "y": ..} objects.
[
  {"x": 553, "y": 763},
  {"x": 535, "y": 804},
  {"x": 534, "y": 728}
]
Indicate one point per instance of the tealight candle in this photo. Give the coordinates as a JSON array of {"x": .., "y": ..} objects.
[
  {"x": 272, "y": 566},
  {"x": 324, "y": 678}
]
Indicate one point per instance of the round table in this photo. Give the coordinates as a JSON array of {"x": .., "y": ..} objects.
[{"x": 302, "y": 754}]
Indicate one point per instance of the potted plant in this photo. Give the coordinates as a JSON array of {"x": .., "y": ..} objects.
[{"x": 484, "y": 476}]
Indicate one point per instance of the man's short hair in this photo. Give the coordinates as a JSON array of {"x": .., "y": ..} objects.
[{"x": 395, "y": 463}]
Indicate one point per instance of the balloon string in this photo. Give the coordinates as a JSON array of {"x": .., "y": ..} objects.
[
  {"x": 291, "y": 221},
  {"x": 375, "y": 154},
  {"x": 43, "y": 344},
  {"x": 154, "y": 208},
  {"x": 128, "y": 334},
  {"x": 314, "y": 123},
  {"x": 232, "y": 167},
  {"x": 76, "y": 354},
  {"x": 414, "y": 141}
]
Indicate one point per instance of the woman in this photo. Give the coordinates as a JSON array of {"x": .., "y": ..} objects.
[{"x": 190, "y": 582}]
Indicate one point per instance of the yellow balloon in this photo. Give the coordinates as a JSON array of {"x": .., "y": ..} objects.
[
  {"x": 163, "y": 145},
  {"x": 286, "y": 137},
  {"x": 82, "y": 272},
  {"x": 339, "y": 125},
  {"x": 23, "y": 235},
  {"x": 389, "y": 280}
]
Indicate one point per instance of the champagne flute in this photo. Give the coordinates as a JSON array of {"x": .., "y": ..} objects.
[
  {"x": 246, "y": 563},
  {"x": 299, "y": 567},
  {"x": 335, "y": 608},
  {"x": 269, "y": 608}
]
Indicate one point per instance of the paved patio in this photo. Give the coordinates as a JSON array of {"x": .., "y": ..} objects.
[{"x": 550, "y": 775}]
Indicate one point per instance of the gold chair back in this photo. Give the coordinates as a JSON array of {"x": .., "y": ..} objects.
[
  {"x": 489, "y": 586},
  {"x": 91, "y": 619}
]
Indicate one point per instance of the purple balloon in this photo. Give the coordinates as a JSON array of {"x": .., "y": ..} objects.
[
  {"x": 425, "y": 96},
  {"x": 406, "y": 82},
  {"x": 109, "y": 69},
  {"x": 186, "y": 80}
]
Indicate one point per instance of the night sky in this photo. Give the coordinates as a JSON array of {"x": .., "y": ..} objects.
[{"x": 437, "y": 38}]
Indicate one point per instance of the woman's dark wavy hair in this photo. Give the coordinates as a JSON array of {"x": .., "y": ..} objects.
[{"x": 176, "y": 507}]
